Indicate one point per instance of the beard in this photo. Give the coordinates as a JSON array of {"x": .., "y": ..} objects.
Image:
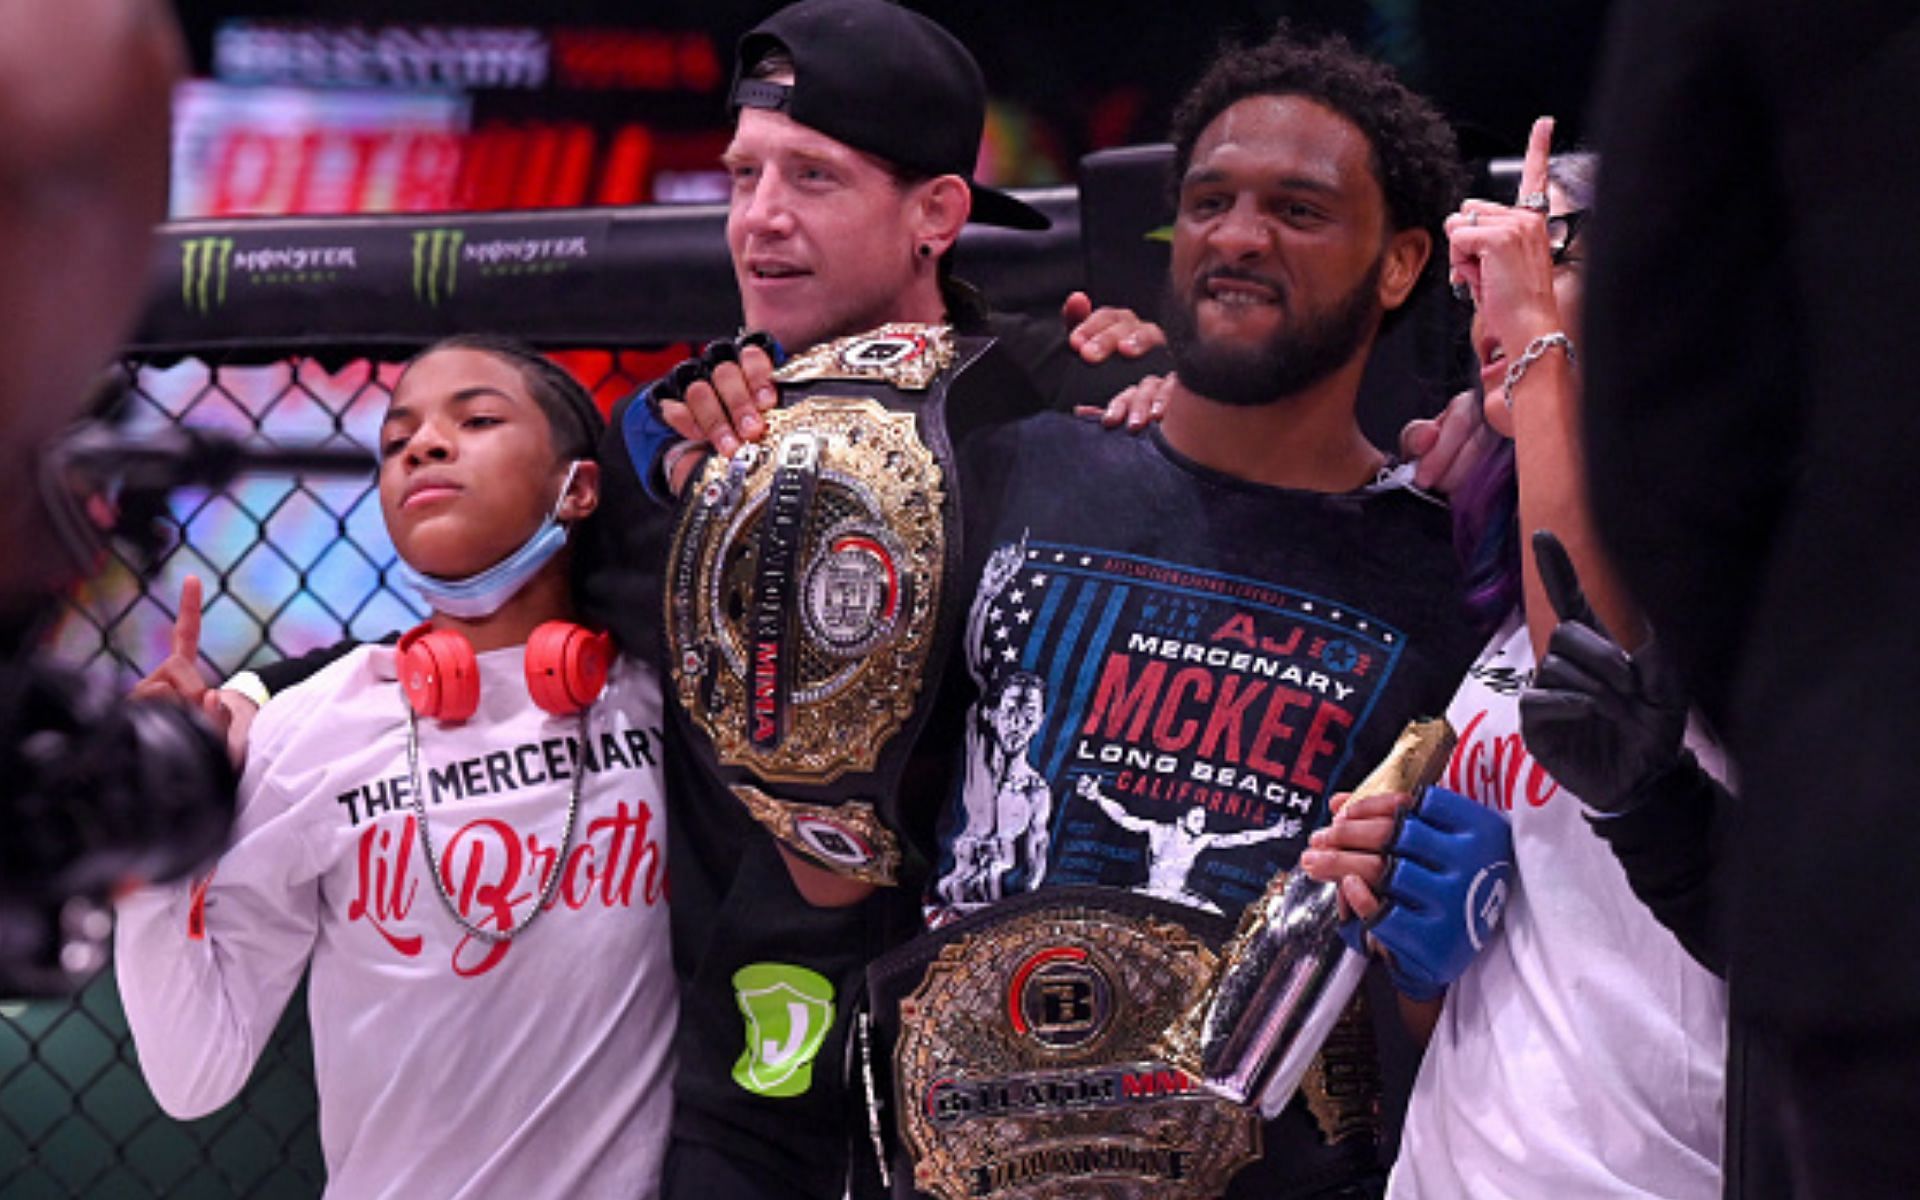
[{"x": 1294, "y": 357}]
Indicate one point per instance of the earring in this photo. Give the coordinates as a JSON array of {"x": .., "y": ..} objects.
[{"x": 926, "y": 250}]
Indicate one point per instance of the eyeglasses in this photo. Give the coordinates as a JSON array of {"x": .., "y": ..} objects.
[{"x": 1562, "y": 228}]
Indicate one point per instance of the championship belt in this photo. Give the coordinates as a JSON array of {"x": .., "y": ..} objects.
[
  {"x": 1023, "y": 1053},
  {"x": 808, "y": 616}
]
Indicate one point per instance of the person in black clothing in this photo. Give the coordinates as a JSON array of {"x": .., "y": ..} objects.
[
  {"x": 1610, "y": 724},
  {"x": 1752, "y": 326},
  {"x": 858, "y": 123}
]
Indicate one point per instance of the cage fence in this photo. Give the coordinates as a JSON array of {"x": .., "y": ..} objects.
[{"x": 287, "y": 565}]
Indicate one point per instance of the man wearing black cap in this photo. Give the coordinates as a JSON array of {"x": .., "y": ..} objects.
[
  {"x": 851, "y": 98},
  {"x": 859, "y": 122}
]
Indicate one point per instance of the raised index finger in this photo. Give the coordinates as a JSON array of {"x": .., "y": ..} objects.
[
  {"x": 1533, "y": 168},
  {"x": 186, "y": 626}
]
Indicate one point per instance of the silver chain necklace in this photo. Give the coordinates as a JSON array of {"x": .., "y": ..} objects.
[{"x": 492, "y": 936}]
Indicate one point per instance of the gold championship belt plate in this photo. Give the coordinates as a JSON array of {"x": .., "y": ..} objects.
[
  {"x": 804, "y": 590},
  {"x": 1023, "y": 1058}
]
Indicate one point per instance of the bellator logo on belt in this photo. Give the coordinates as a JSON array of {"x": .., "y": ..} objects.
[
  {"x": 850, "y": 599},
  {"x": 803, "y": 593},
  {"x": 1025, "y": 1064},
  {"x": 907, "y": 356},
  {"x": 1062, "y": 997}
]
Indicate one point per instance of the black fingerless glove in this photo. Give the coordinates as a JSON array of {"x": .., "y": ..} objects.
[{"x": 648, "y": 435}]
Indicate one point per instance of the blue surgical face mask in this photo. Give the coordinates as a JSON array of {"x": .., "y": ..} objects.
[{"x": 484, "y": 594}]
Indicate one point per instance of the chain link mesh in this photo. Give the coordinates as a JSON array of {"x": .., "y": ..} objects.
[{"x": 288, "y": 565}]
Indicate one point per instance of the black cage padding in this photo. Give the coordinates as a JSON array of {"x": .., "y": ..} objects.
[{"x": 610, "y": 277}]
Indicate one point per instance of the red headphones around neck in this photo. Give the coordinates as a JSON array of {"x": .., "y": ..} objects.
[{"x": 566, "y": 670}]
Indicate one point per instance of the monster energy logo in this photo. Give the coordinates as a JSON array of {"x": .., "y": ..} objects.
[
  {"x": 203, "y": 272},
  {"x": 436, "y": 264}
]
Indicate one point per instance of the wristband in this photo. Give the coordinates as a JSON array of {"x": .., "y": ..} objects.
[{"x": 250, "y": 685}]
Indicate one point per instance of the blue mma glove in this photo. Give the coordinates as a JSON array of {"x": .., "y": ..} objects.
[
  {"x": 649, "y": 436},
  {"x": 1449, "y": 872}
]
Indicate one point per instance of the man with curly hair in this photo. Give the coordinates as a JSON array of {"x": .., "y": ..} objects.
[
  {"x": 1233, "y": 614},
  {"x": 1408, "y": 155}
]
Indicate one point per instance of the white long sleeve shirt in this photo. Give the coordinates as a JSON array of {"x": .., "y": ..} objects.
[{"x": 446, "y": 1067}]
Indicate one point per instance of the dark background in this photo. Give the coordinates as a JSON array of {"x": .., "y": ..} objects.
[{"x": 1094, "y": 74}]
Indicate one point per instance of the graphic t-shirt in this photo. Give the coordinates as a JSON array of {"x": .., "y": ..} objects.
[
  {"x": 446, "y": 1066},
  {"x": 1171, "y": 671},
  {"x": 1582, "y": 1053}
]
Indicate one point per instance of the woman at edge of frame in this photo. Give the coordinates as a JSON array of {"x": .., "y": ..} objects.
[{"x": 1584, "y": 1051}]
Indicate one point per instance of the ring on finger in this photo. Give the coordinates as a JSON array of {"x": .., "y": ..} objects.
[
  {"x": 1473, "y": 218},
  {"x": 1534, "y": 202}
]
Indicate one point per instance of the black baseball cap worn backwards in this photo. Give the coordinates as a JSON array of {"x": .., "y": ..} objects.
[{"x": 883, "y": 79}]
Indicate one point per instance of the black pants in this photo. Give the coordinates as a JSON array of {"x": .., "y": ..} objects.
[
  {"x": 698, "y": 1172},
  {"x": 1826, "y": 1117},
  {"x": 695, "y": 1172}
]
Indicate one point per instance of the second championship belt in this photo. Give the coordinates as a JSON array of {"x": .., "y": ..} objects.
[
  {"x": 1020, "y": 1044},
  {"x": 808, "y": 613}
]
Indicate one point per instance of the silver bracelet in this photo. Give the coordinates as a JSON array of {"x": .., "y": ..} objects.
[{"x": 1535, "y": 351}]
